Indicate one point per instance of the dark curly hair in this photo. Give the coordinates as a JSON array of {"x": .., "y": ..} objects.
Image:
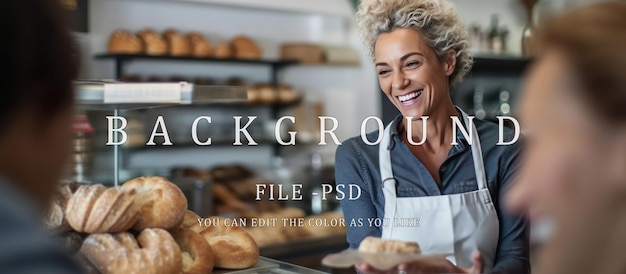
[{"x": 39, "y": 56}]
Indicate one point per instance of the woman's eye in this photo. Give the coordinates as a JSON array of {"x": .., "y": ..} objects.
[
  {"x": 412, "y": 64},
  {"x": 383, "y": 72}
]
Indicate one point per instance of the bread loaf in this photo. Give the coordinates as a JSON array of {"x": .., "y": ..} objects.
[
  {"x": 197, "y": 257},
  {"x": 177, "y": 44},
  {"x": 55, "y": 219},
  {"x": 232, "y": 247},
  {"x": 160, "y": 203},
  {"x": 154, "y": 251},
  {"x": 378, "y": 245},
  {"x": 223, "y": 50},
  {"x": 245, "y": 48},
  {"x": 153, "y": 43},
  {"x": 97, "y": 209},
  {"x": 122, "y": 41},
  {"x": 200, "y": 46}
]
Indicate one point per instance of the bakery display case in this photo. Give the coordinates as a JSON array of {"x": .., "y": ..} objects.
[
  {"x": 295, "y": 249},
  {"x": 115, "y": 96}
]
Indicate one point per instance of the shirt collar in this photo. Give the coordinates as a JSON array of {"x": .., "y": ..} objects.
[{"x": 461, "y": 141}]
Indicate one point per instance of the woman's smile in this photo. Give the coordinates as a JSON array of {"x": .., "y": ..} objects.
[{"x": 410, "y": 98}]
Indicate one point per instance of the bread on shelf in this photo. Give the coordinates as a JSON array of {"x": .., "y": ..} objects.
[
  {"x": 223, "y": 50},
  {"x": 191, "y": 222},
  {"x": 153, "y": 43},
  {"x": 197, "y": 256},
  {"x": 232, "y": 246},
  {"x": 245, "y": 48},
  {"x": 153, "y": 251},
  {"x": 160, "y": 203},
  {"x": 177, "y": 44},
  {"x": 55, "y": 219},
  {"x": 200, "y": 46},
  {"x": 98, "y": 209},
  {"x": 123, "y": 41}
]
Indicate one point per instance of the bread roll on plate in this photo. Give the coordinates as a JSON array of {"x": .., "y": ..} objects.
[{"x": 378, "y": 245}]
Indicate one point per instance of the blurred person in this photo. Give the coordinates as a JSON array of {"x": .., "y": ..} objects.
[
  {"x": 39, "y": 61},
  {"x": 453, "y": 188},
  {"x": 573, "y": 115}
]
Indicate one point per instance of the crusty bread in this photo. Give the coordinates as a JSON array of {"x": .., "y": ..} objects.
[
  {"x": 223, "y": 50},
  {"x": 177, "y": 44},
  {"x": 154, "y": 251},
  {"x": 245, "y": 48},
  {"x": 200, "y": 46},
  {"x": 160, "y": 203},
  {"x": 122, "y": 41},
  {"x": 197, "y": 256},
  {"x": 55, "y": 220},
  {"x": 190, "y": 221},
  {"x": 232, "y": 247},
  {"x": 264, "y": 236},
  {"x": 153, "y": 43},
  {"x": 378, "y": 245},
  {"x": 97, "y": 209}
]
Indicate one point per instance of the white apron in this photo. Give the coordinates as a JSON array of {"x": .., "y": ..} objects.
[{"x": 454, "y": 225}]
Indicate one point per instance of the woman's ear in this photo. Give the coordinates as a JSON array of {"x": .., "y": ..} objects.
[{"x": 449, "y": 62}]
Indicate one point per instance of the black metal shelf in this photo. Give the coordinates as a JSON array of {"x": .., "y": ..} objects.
[
  {"x": 120, "y": 59},
  {"x": 500, "y": 64}
]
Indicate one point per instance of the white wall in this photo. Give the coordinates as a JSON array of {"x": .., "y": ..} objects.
[{"x": 350, "y": 94}]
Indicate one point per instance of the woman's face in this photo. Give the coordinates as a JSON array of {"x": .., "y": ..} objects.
[
  {"x": 410, "y": 73},
  {"x": 567, "y": 151}
]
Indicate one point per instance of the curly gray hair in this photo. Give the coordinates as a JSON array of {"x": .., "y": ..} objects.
[{"x": 436, "y": 20}]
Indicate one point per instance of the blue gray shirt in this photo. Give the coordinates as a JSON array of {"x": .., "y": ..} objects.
[
  {"x": 357, "y": 163},
  {"x": 24, "y": 246}
]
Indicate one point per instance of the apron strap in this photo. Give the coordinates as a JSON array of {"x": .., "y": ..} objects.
[
  {"x": 384, "y": 156},
  {"x": 477, "y": 153},
  {"x": 388, "y": 181}
]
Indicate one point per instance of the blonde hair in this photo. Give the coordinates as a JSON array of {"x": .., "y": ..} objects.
[{"x": 436, "y": 20}]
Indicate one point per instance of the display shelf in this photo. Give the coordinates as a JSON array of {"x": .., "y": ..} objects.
[
  {"x": 92, "y": 95},
  {"x": 214, "y": 143},
  {"x": 111, "y": 95},
  {"x": 499, "y": 64},
  {"x": 121, "y": 59}
]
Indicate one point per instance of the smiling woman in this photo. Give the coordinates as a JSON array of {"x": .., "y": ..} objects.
[{"x": 419, "y": 48}]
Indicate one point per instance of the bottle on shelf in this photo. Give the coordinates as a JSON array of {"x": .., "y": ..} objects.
[{"x": 496, "y": 39}]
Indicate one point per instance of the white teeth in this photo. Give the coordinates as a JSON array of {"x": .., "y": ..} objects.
[{"x": 404, "y": 98}]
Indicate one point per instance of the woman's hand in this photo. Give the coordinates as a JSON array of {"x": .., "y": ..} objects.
[{"x": 426, "y": 265}]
